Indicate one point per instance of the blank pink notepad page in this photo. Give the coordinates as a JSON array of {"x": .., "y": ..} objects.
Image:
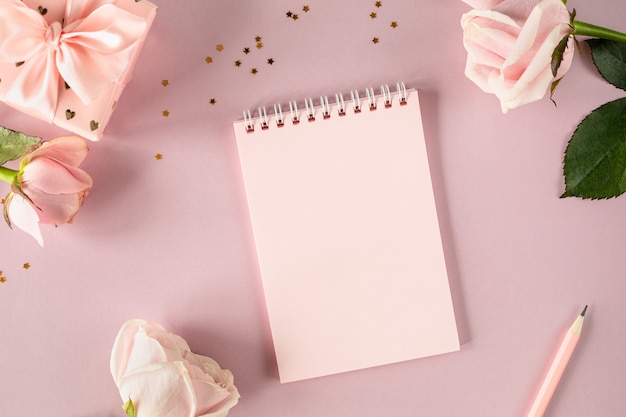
[{"x": 347, "y": 238}]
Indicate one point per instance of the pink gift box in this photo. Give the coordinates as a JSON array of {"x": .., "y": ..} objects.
[{"x": 85, "y": 104}]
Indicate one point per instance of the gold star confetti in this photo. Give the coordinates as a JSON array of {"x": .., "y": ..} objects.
[
  {"x": 208, "y": 59},
  {"x": 2, "y": 201},
  {"x": 165, "y": 83},
  {"x": 213, "y": 101},
  {"x": 270, "y": 61},
  {"x": 289, "y": 14},
  {"x": 378, "y": 3},
  {"x": 26, "y": 265},
  {"x": 294, "y": 17},
  {"x": 394, "y": 24},
  {"x": 246, "y": 51},
  {"x": 257, "y": 39},
  {"x": 305, "y": 9},
  {"x": 254, "y": 71},
  {"x": 259, "y": 45},
  {"x": 166, "y": 113},
  {"x": 220, "y": 47},
  {"x": 373, "y": 15},
  {"x": 375, "y": 40},
  {"x": 237, "y": 63},
  {"x": 158, "y": 156},
  {"x": 3, "y": 279}
]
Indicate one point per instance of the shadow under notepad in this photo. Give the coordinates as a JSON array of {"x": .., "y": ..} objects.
[{"x": 429, "y": 101}]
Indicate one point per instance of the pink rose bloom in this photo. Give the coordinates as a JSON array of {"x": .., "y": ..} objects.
[
  {"x": 483, "y": 4},
  {"x": 49, "y": 188},
  {"x": 157, "y": 371},
  {"x": 509, "y": 48}
]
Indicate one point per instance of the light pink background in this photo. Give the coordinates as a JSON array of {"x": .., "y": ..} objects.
[{"x": 169, "y": 240}]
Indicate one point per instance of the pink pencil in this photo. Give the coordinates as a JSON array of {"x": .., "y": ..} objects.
[{"x": 558, "y": 366}]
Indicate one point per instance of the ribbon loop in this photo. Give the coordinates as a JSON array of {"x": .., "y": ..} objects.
[{"x": 90, "y": 51}]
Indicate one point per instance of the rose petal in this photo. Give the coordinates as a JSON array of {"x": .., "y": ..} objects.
[
  {"x": 55, "y": 209},
  {"x": 174, "y": 346},
  {"x": 510, "y": 48},
  {"x": 483, "y": 4},
  {"x": 518, "y": 10},
  {"x": 52, "y": 177},
  {"x": 193, "y": 385},
  {"x": 69, "y": 150},
  {"x": 214, "y": 386},
  {"x": 214, "y": 400},
  {"x": 145, "y": 351},
  {"x": 22, "y": 214},
  {"x": 160, "y": 390},
  {"x": 122, "y": 347}
]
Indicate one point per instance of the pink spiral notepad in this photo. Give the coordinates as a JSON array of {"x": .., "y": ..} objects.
[{"x": 346, "y": 232}]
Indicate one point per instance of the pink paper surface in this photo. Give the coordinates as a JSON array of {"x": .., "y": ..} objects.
[
  {"x": 347, "y": 236},
  {"x": 169, "y": 240}
]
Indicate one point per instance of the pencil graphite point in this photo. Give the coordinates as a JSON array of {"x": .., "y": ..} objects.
[{"x": 584, "y": 311}]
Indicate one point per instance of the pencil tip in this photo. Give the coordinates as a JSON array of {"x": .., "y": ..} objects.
[{"x": 584, "y": 311}]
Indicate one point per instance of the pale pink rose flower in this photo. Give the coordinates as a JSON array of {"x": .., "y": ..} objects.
[
  {"x": 50, "y": 188},
  {"x": 509, "y": 48},
  {"x": 483, "y": 4},
  {"x": 157, "y": 371}
]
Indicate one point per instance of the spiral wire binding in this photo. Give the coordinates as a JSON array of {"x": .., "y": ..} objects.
[
  {"x": 325, "y": 107},
  {"x": 310, "y": 110},
  {"x": 384, "y": 91},
  {"x": 385, "y": 94},
  {"x": 264, "y": 119},
  {"x": 278, "y": 112},
  {"x": 293, "y": 109},
  {"x": 371, "y": 99},
  {"x": 401, "y": 88},
  {"x": 341, "y": 105},
  {"x": 248, "y": 121},
  {"x": 356, "y": 101}
]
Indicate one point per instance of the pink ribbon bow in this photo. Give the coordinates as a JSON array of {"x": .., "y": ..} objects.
[{"x": 89, "y": 50}]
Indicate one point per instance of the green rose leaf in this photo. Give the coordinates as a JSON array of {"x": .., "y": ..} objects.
[
  {"x": 610, "y": 59},
  {"x": 595, "y": 158},
  {"x": 13, "y": 144},
  {"x": 129, "y": 408},
  {"x": 557, "y": 55}
]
